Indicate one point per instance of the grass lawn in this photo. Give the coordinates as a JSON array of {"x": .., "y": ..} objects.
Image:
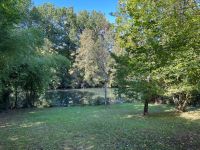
[{"x": 116, "y": 127}]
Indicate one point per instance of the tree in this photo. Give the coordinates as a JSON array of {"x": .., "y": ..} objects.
[
  {"x": 94, "y": 21},
  {"x": 139, "y": 33},
  {"x": 93, "y": 59},
  {"x": 27, "y": 65},
  {"x": 103, "y": 61},
  {"x": 181, "y": 75},
  {"x": 60, "y": 28},
  {"x": 63, "y": 28},
  {"x": 150, "y": 33},
  {"x": 11, "y": 14}
]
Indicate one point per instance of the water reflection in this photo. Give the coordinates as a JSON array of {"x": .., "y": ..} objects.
[{"x": 78, "y": 97}]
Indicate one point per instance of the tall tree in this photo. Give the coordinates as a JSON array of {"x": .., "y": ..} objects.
[
  {"x": 139, "y": 34},
  {"x": 93, "y": 59},
  {"x": 150, "y": 33},
  {"x": 97, "y": 24},
  {"x": 26, "y": 63},
  {"x": 11, "y": 14},
  {"x": 181, "y": 76},
  {"x": 60, "y": 28}
]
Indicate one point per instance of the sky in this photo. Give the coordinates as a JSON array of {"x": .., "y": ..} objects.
[{"x": 105, "y": 6}]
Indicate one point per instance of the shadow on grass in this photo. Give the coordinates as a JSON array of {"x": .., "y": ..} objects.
[
  {"x": 163, "y": 114},
  {"x": 163, "y": 111},
  {"x": 190, "y": 115}
]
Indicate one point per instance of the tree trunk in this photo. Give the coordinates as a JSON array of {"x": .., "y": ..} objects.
[
  {"x": 184, "y": 106},
  {"x": 5, "y": 97},
  {"x": 105, "y": 92},
  {"x": 32, "y": 98},
  {"x": 146, "y": 107},
  {"x": 182, "y": 102},
  {"x": 146, "y": 102},
  {"x": 16, "y": 98},
  {"x": 27, "y": 100}
]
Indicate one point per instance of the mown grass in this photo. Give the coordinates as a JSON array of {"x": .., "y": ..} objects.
[{"x": 115, "y": 127}]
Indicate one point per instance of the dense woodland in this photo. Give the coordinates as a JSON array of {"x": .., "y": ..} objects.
[
  {"x": 74, "y": 81},
  {"x": 151, "y": 52}
]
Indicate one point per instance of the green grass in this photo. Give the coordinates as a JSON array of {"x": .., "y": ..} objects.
[{"x": 115, "y": 127}]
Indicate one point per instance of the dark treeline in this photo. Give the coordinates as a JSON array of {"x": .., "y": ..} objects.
[
  {"x": 151, "y": 52},
  {"x": 38, "y": 47}
]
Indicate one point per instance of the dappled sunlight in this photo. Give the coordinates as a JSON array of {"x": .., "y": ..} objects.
[
  {"x": 192, "y": 115},
  {"x": 132, "y": 116},
  {"x": 66, "y": 147},
  {"x": 79, "y": 142},
  {"x": 170, "y": 110},
  {"x": 28, "y": 125},
  {"x": 90, "y": 147},
  {"x": 32, "y": 112},
  {"x": 96, "y": 116},
  {"x": 14, "y": 138},
  {"x": 129, "y": 116},
  {"x": 5, "y": 125},
  {"x": 118, "y": 127}
]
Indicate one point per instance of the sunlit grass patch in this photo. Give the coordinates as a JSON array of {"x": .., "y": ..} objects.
[
  {"x": 118, "y": 127},
  {"x": 192, "y": 115},
  {"x": 28, "y": 125}
]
